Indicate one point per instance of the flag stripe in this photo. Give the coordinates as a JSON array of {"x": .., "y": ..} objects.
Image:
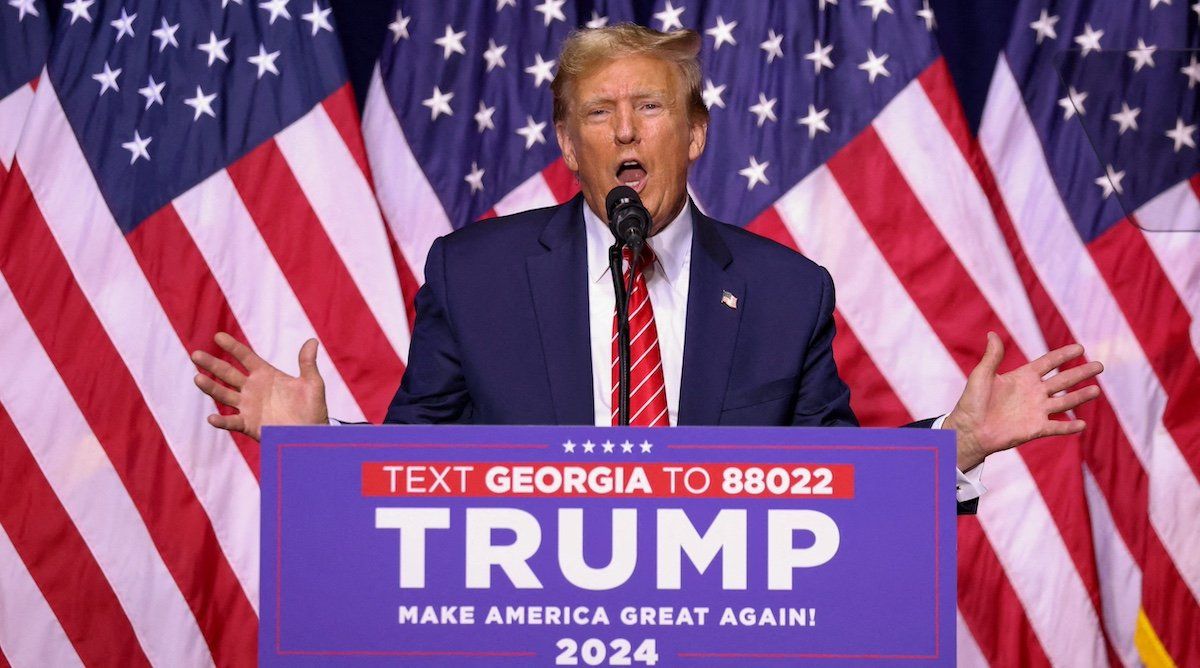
[
  {"x": 1121, "y": 585},
  {"x": 1177, "y": 252},
  {"x": 968, "y": 653},
  {"x": 30, "y": 634},
  {"x": 102, "y": 386},
  {"x": 560, "y": 180},
  {"x": 533, "y": 193},
  {"x": 13, "y": 108},
  {"x": 343, "y": 113},
  {"x": 277, "y": 205}
]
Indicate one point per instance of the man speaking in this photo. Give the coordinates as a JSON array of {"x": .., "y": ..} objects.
[{"x": 515, "y": 322}]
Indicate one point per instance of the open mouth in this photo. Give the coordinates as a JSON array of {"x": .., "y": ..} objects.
[{"x": 631, "y": 173}]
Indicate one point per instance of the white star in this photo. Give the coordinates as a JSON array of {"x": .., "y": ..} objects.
[
  {"x": 123, "y": 24},
  {"x": 532, "y": 132},
  {"x": 483, "y": 117},
  {"x": 1182, "y": 135},
  {"x": 597, "y": 21},
  {"x": 1126, "y": 118},
  {"x": 201, "y": 103},
  {"x": 215, "y": 48},
  {"x": 722, "y": 32},
  {"x": 1073, "y": 103},
  {"x": 438, "y": 103},
  {"x": 225, "y": 3},
  {"x": 1155, "y": 3},
  {"x": 277, "y": 8},
  {"x": 26, "y": 7},
  {"x": 451, "y": 42},
  {"x": 494, "y": 54},
  {"x": 265, "y": 62},
  {"x": 712, "y": 94},
  {"x": 646, "y": 445},
  {"x": 1044, "y": 26},
  {"x": 475, "y": 178},
  {"x": 926, "y": 14},
  {"x": 501, "y": 4},
  {"x": 1196, "y": 8},
  {"x": 815, "y": 121},
  {"x": 78, "y": 9},
  {"x": 551, "y": 11},
  {"x": 399, "y": 27},
  {"x": 608, "y": 446},
  {"x": 764, "y": 109},
  {"x": 1192, "y": 70},
  {"x": 319, "y": 18},
  {"x": 626, "y": 447},
  {"x": 1111, "y": 182},
  {"x": 773, "y": 46},
  {"x": 540, "y": 70},
  {"x": 108, "y": 79},
  {"x": 822, "y": 3},
  {"x": 569, "y": 446},
  {"x": 137, "y": 147},
  {"x": 756, "y": 173},
  {"x": 1089, "y": 41},
  {"x": 589, "y": 446},
  {"x": 820, "y": 56},
  {"x": 874, "y": 66},
  {"x": 152, "y": 92},
  {"x": 877, "y": 7},
  {"x": 669, "y": 17},
  {"x": 166, "y": 35},
  {"x": 1143, "y": 55}
]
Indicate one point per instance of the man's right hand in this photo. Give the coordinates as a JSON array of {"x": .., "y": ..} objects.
[{"x": 263, "y": 394}]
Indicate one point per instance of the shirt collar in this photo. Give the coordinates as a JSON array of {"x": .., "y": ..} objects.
[{"x": 672, "y": 245}]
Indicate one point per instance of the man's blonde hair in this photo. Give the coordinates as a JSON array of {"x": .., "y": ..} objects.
[{"x": 584, "y": 50}]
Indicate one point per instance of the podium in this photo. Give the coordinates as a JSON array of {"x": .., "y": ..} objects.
[{"x": 591, "y": 546}]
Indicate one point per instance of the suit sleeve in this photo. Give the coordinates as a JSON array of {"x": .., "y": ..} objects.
[
  {"x": 823, "y": 399},
  {"x": 434, "y": 389}
]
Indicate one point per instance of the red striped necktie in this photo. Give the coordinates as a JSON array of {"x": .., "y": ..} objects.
[{"x": 648, "y": 398}]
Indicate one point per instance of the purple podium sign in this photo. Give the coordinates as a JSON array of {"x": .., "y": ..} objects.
[{"x": 588, "y": 546}]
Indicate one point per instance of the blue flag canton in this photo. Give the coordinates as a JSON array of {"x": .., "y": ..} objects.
[
  {"x": 470, "y": 83},
  {"x": 1111, "y": 89},
  {"x": 24, "y": 43},
  {"x": 789, "y": 86},
  {"x": 163, "y": 94}
]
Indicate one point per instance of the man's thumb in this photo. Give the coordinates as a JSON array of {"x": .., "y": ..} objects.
[
  {"x": 308, "y": 360},
  {"x": 992, "y": 356}
]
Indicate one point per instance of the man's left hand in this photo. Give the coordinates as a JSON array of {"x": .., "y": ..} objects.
[{"x": 1001, "y": 411}]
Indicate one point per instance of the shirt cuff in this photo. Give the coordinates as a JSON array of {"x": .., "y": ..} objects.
[
  {"x": 969, "y": 485},
  {"x": 334, "y": 421}
]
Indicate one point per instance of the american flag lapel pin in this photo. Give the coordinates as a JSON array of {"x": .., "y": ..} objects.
[{"x": 728, "y": 299}]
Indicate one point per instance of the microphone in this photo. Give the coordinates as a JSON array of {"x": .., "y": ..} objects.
[{"x": 627, "y": 218}]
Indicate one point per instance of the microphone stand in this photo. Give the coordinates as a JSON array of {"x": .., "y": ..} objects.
[{"x": 615, "y": 266}]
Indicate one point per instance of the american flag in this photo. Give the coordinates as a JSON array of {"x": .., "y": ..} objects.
[
  {"x": 185, "y": 168},
  {"x": 836, "y": 130}
]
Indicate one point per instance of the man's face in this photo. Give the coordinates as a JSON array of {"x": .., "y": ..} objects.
[{"x": 627, "y": 124}]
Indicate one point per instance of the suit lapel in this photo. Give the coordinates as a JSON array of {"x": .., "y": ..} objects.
[
  {"x": 558, "y": 282},
  {"x": 712, "y": 325}
]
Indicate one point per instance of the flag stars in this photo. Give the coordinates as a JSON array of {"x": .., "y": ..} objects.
[
  {"x": 773, "y": 46},
  {"x": 399, "y": 27},
  {"x": 152, "y": 92},
  {"x": 1126, "y": 119},
  {"x": 439, "y": 103},
  {"x": 1143, "y": 55},
  {"x": 925, "y": 13},
  {"x": 1072, "y": 103},
  {"x": 1196, "y": 8},
  {"x": 765, "y": 109},
  {"x": 123, "y": 24},
  {"x": 608, "y": 447},
  {"x": 1044, "y": 26},
  {"x": 166, "y": 35},
  {"x": 626, "y": 447},
  {"x": 712, "y": 94},
  {"x": 1155, "y": 3},
  {"x": 589, "y": 447},
  {"x": 1110, "y": 182},
  {"x": 722, "y": 32},
  {"x": 108, "y": 79},
  {"x": 532, "y": 132},
  {"x": 821, "y": 4},
  {"x": 483, "y": 117},
  {"x": 1182, "y": 135},
  {"x": 201, "y": 103},
  {"x": 277, "y": 8},
  {"x": 319, "y": 18},
  {"x": 1191, "y": 71},
  {"x": 78, "y": 9},
  {"x": 475, "y": 178},
  {"x": 814, "y": 121},
  {"x": 597, "y": 21},
  {"x": 668, "y": 18},
  {"x": 756, "y": 173},
  {"x": 1089, "y": 40},
  {"x": 540, "y": 70},
  {"x": 265, "y": 62},
  {"x": 215, "y": 48},
  {"x": 501, "y": 4},
  {"x": 874, "y": 66},
  {"x": 551, "y": 11},
  {"x": 451, "y": 42},
  {"x": 820, "y": 56},
  {"x": 137, "y": 147},
  {"x": 646, "y": 446},
  {"x": 877, "y": 7},
  {"x": 569, "y": 446},
  {"x": 494, "y": 55},
  {"x": 26, "y": 8}
]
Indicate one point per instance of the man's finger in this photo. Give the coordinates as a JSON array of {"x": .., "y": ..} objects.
[
  {"x": 217, "y": 391},
  {"x": 1056, "y": 358},
  {"x": 240, "y": 351},
  {"x": 1065, "y": 427},
  {"x": 993, "y": 354},
  {"x": 226, "y": 372},
  {"x": 1071, "y": 400},
  {"x": 1072, "y": 377},
  {"x": 308, "y": 360},
  {"x": 227, "y": 422}
]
